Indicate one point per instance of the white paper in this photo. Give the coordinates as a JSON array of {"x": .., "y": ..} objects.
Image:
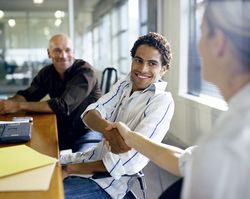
[{"x": 32, "y": 180}]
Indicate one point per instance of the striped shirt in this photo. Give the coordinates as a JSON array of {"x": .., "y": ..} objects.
[{"x": 148, "y": 111}]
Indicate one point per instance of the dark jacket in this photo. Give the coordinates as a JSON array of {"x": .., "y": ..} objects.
[{"x": 68, "y": 97}]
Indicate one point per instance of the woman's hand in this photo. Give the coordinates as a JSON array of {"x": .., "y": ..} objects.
[
  {"x": 122, "y": 128},
  {"x": 118, "y": 132}
]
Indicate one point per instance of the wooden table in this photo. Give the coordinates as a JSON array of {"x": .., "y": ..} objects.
[{"x": 44, "y": 139}]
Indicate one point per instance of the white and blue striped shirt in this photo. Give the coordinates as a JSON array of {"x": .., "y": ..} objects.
[{"x": 148, "y": 111}]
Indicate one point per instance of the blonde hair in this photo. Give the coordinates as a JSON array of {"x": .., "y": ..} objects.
[{"x": 232, "y": 17}]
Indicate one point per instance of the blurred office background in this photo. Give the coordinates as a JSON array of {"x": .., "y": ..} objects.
[{"x": 103, "y": 32}]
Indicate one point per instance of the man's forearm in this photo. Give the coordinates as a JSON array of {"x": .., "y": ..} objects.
[
  {"x": 94, "y": 121},
  {"x": 86, "y": 168},
  {"x": 13, "y": 106},
  {"x": 41, "y": 107},
  {"x": 17, "y": 98}
]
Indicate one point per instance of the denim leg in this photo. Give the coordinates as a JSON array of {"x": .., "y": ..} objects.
[
  {"x": 83, "y": 188},
  {"x": 89, "y": 139}
]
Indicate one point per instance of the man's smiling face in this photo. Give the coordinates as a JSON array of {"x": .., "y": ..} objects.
[{"x": 146, "y": 67}]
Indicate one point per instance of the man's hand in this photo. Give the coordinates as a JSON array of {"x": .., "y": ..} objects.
[
  {"x": 64, "y": 172},
  {"x": 116, "y": 141},
  {"x": 122, "y": 128},
  {"x": 8, "y": 106},
  {"x": 111, "y": 135}
]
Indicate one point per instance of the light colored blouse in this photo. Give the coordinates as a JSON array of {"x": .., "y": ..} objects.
[{"x": 220, "y": 167}]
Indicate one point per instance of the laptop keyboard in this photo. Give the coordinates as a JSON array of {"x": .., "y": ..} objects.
[
  {"x": 2, "y": 127},
  {"x": 15, "y": 129},
  {"x": 15, "y": 132}
]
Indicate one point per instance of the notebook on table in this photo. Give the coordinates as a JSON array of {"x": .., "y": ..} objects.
[
  {"x": 15, "y": 131},
  {"x": 34, "y": 172}
]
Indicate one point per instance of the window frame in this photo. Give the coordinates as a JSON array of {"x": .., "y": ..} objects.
[{"x": 196, "y": 85}]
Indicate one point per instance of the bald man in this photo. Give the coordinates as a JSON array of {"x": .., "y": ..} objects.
[{"x": 71, "y": 85}]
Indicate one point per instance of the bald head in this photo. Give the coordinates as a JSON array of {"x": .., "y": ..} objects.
[
  {"x": 61, "y": 53},
  {"x": 60, "y": 38}
]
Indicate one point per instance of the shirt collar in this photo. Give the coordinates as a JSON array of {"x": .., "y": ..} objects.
[
  {"x": 157, "y": 87},
  {"x": 240, "y": 96},
  {"x": 71, "y": 67}
]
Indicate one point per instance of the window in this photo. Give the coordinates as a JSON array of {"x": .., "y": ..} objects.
[
  {"x": 24, "y": 33},
  {"x": 87, "y": 44},
  {"x": 23, "y": 53},
  {"x": 96, "y": 42},
  {"x": 119, "y": 37},
  {"x": 196, "y": 85},
  {"x": 143, "y": 16},
  {"x": 114, "y": 31}
]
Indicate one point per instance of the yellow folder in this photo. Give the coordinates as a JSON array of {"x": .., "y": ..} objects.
[
  {"x": 20, "y": 158},
  {"x": 31, "y": 180}
]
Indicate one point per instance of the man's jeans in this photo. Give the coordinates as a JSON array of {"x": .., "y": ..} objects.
[
  {"x": 83, "y": 188},
  {"x": 89, "y": 139}
]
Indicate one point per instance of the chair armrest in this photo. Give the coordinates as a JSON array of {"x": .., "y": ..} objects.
[{"x": 98, "y": 175}]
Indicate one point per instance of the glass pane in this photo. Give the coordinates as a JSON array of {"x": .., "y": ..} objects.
[
  {"x": 105, "y": 43},
  {"x": 206, "y": 87},
  {"x": 124, "y": 66},
  {"x": 24, "y": 34},
  {"x": 96, "y": 54},
  {"x": 115, "y": 51},
  {"x": 124, "y": 44},
  {"x": 124, "y": 17},
  {"x": 144, "y": 30},
  {"x": 143, "y": 11},
  {"x": 114, "y": 22},
  {"x": 88, "y": 50}
]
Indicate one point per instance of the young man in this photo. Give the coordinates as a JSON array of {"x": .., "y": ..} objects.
[
  {"x": 140, "y": 101},
  {"x": 71, "y": 84}
]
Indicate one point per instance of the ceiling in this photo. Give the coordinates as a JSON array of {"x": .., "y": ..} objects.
[{"x": 48, "y": 5}]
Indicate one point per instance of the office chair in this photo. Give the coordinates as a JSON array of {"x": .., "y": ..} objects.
[
  {"x": 130, "y": 194},
  {"x": 109, "y": 77},
  {"x": 173, "y": 191}
]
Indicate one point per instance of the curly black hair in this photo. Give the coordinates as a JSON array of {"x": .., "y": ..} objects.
[{"x": 158, "y": 42}]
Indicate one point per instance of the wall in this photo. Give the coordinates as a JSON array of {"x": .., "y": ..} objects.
[{"x": 192, "y": 117}]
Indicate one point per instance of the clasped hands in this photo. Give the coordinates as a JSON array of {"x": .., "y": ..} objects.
[{"x": 114, "y": 137}]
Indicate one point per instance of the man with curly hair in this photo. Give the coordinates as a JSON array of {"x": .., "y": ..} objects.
[{"x": 141, "y": 102}]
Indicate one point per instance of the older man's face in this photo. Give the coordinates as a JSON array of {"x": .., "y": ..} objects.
[{"x": 61, "y": 53}]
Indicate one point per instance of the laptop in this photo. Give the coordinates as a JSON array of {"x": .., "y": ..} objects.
[{"x": 15, "y": 131}]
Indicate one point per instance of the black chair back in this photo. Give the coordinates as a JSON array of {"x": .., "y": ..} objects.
[
  {"x": 129, "y": 195},
  {"x": 109, "y": 77}
]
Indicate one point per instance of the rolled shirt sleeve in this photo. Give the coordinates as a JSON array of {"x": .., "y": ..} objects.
[
  {"x": 184, "y": 158},
  {"x": 77, "y": 89},
  {"x": 37, "y": 89}
]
